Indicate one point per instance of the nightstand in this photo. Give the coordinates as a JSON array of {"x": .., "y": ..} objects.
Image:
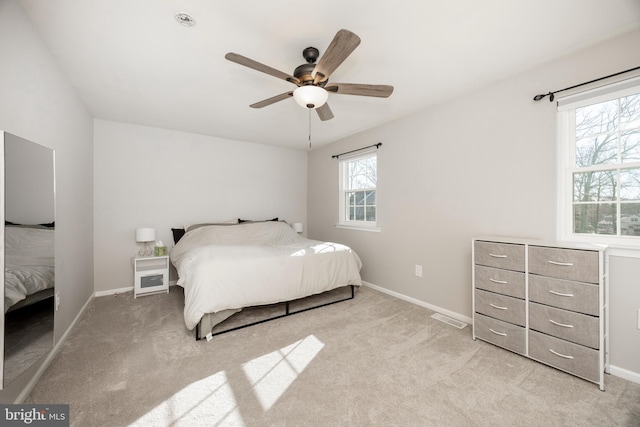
[{"x": 150, "y": 274}]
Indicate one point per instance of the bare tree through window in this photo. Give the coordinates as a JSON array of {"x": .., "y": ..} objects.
[
  {"x": 361, "y": 201},
  {"x": 606, "y": 178}
]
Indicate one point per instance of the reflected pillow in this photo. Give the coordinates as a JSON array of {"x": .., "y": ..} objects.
[{"x": 45, "y": 225}]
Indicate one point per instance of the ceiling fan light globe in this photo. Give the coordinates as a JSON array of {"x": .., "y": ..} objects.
[{"x": 310, "y": 96}]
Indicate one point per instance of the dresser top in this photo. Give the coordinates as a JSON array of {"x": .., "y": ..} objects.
[{"x": 537, "y": 242}]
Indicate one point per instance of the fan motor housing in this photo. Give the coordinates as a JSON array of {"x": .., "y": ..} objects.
[{"x": 303, "y": 72}]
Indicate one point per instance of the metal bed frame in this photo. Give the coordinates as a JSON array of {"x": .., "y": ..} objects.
[{"x": 288, "y": 312}]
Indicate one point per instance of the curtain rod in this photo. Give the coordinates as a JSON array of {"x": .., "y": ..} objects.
[
  {"x": 550, "y": 94},
  {"x": 335, "y": 156}
]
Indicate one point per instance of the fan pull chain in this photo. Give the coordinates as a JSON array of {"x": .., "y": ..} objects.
[{"x": 309, "y": 127}]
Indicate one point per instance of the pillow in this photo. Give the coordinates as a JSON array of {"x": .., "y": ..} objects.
[
  {"x": 177, "y": 234},
  {"x": 240, "y": 221},
  {"x": 190, "y": 227},
  {"x": 46, "y": 225}
]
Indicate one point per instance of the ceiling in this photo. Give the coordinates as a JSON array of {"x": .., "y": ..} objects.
[{"x": 131, "y": 61}]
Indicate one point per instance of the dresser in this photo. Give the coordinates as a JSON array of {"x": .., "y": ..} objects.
[{"x": 543, "y": 300}]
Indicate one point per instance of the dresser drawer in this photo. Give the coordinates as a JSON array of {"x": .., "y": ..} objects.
[
  {"x": 499, "y": 333},
  {"x": 505, "y": 282},
  {"x": 573, "y": 358},
  {"x": 569, "y": 264},
  {"x": 500, "y": 255},
  {"x": 574, "y": 296},
  {"x": 501, "y": 307},
  {"x": 570, "y": 326}
]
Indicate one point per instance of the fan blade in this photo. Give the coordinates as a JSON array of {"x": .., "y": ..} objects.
[
  {"x": 324, "y": 112},
  {"x": 243, "y": 60},
  {"x": 272, "y": 100},
  {"x": 381, "y": 91},
  {"x": 339, "y": 49}
]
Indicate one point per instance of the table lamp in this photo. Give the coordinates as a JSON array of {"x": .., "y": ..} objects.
[{"x": 146, "y": 236}]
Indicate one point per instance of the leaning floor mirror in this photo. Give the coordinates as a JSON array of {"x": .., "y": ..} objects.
[{"x": 28, "y": 259}]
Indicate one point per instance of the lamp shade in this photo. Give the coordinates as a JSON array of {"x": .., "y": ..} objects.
[
  {"x": 297, "y": 227},
  {"x": 310, "y": 96},
  {"x": 145, "y": 234}
]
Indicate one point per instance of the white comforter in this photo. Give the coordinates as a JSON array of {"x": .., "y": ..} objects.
[
  {"x": 230, "y": 267},
  {"x": 29, "y": 262}
]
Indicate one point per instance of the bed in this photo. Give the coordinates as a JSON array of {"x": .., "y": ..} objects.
[
  {"x": 29, "y": 273},
  {"x": 227, "y": 267}
]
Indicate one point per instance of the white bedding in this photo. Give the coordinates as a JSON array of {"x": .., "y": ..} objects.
[
  {"x": 230, "y": 267},
  {"x": 29, "y": 262}
]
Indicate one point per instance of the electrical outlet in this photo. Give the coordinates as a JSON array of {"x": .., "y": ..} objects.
[
  {"x": 418, "y": 270},
  {"x": 57, "y": 300}
]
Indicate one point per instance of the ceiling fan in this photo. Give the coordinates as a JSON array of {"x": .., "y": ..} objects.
[{"x": 312, "y": 78}]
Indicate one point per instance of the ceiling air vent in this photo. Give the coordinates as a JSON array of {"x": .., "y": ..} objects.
[{"x": 185, "y": 19}]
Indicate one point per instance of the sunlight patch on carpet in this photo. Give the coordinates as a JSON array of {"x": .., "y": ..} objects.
[
  {"x": 209, "y": 401},
  {"x": 272, "y": 374}
]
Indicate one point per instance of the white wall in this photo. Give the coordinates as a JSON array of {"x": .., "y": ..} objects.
[
  {"x": 150, "y": 177},
  {"x": 476, "y": 165},
  {"x": 38, "y": 103}
]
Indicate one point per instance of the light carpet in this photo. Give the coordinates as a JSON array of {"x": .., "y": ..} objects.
[{"x": 371, "y": 361}]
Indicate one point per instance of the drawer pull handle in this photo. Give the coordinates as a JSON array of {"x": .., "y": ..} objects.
[
  {"x": 560, "y": 354},
  {"x": 498, "y": 307},
  {"x": 560, "y": 324},
  {"x": 502, "y": 282},
  {"x": 560, "y": 294},
  {"x": 497, "y": 256},
  {"x": 563, "y": 264},
  {"x": 498, "y": 333}
]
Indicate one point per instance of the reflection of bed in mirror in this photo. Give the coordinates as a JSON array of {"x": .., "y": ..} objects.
[
  {"x": 29, "y": 271},
  {"x": 29, "y": 254}
]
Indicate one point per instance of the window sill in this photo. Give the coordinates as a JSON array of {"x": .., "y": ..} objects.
[
  {"x": 604, "y": 239},
  {"x": 374, "y": 229},
  {"x": 616, "y": 246},
  {"x": 624, "y": 251}
]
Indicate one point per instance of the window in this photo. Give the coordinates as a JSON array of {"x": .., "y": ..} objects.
[
  {"x": 358, "y": 191},
  {"x": 599, "y": 165}
]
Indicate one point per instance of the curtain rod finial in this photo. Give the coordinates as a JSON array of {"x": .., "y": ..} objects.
[{"x": 540, "y": 97}]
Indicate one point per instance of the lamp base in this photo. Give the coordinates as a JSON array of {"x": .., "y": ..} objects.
[{"x": 146, "y": 249}]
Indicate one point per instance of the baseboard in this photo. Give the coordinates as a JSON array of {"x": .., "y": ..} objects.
[
  {"x": 625, "y": 374},
  {"x": 415, "y": 301},
  {"x": 49, "y": 358},
  {"x": 123, "y": 290},
  {"x": 113, "y": 292}
]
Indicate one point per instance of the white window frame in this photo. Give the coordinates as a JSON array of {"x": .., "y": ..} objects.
[
  {"x": 565, "y": 137},
  {"x": 343, "y": 222}
]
